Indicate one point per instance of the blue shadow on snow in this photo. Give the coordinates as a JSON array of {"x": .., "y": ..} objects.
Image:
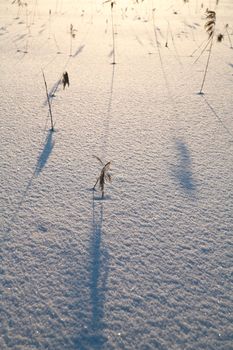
[
  {"x": 92, "y": 337},
  {"x": 183, "y": 170},
  {"x": 45, "y": 153}
]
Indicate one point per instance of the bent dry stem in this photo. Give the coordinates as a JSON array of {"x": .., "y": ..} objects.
[
  {"x": 104, "y": 176},
  {"x": 49, "y": 104}
]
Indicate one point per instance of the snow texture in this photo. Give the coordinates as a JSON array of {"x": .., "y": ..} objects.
[{"x": 149, "y": 266}]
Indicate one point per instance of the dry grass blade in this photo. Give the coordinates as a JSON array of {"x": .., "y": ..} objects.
[
  {"x": 107, "y": 166},
  {"x": 112, "y": 2},
  {"x": 210, "y": 29},
  {"x": 210, "y": 24},
  {"x": 19, "y": 2},
  {"x": 99, "y": 160},
  {"x": 104, "y": 176}
]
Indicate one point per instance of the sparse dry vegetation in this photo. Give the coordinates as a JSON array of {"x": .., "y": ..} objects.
[
  {"x": 104, "y": 176},
  {"x": 210, "y": 29}
]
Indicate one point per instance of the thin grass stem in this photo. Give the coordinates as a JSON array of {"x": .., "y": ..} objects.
[
  {"x": 207, "y": 65},
  {"x": 49, "y": 104}
]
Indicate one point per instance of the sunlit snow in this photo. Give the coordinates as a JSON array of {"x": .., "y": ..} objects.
[{"x": 149, "y": 265}]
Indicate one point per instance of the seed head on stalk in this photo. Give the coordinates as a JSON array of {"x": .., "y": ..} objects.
[
  {"x": 210, "y": 29},
  {"x": 210, "y": 23},
  {"x": 72, "y": 36},
  {"x": 228, "y": 35}
]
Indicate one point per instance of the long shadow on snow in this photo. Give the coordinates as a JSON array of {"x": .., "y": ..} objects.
[
  {"x": 41, "y": 161},
  {"x": 52, "y": 91},
  {"x": 79, "y": 50},
  {"x": 217, "y": 116},
  {"x": 45, "y": 153},
  {"x": 107, "y": 121},
  {"x": 183, "y": 170},
  {"x": 92, "y": 337}
]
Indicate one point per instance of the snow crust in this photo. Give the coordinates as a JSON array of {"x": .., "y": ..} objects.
[{"x": 150, "y": 266}]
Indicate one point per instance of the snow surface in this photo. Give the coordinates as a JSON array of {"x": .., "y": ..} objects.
[{"x": 150, "y": 266}]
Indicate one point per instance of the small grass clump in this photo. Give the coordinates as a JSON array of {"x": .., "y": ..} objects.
[{"x": 104, "y": 176}]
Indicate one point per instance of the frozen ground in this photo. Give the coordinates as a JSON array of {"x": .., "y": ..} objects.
[{"x": 150, "y": 266}]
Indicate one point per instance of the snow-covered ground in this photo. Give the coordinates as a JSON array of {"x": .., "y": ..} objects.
[{"x": 150, "y": 266}]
